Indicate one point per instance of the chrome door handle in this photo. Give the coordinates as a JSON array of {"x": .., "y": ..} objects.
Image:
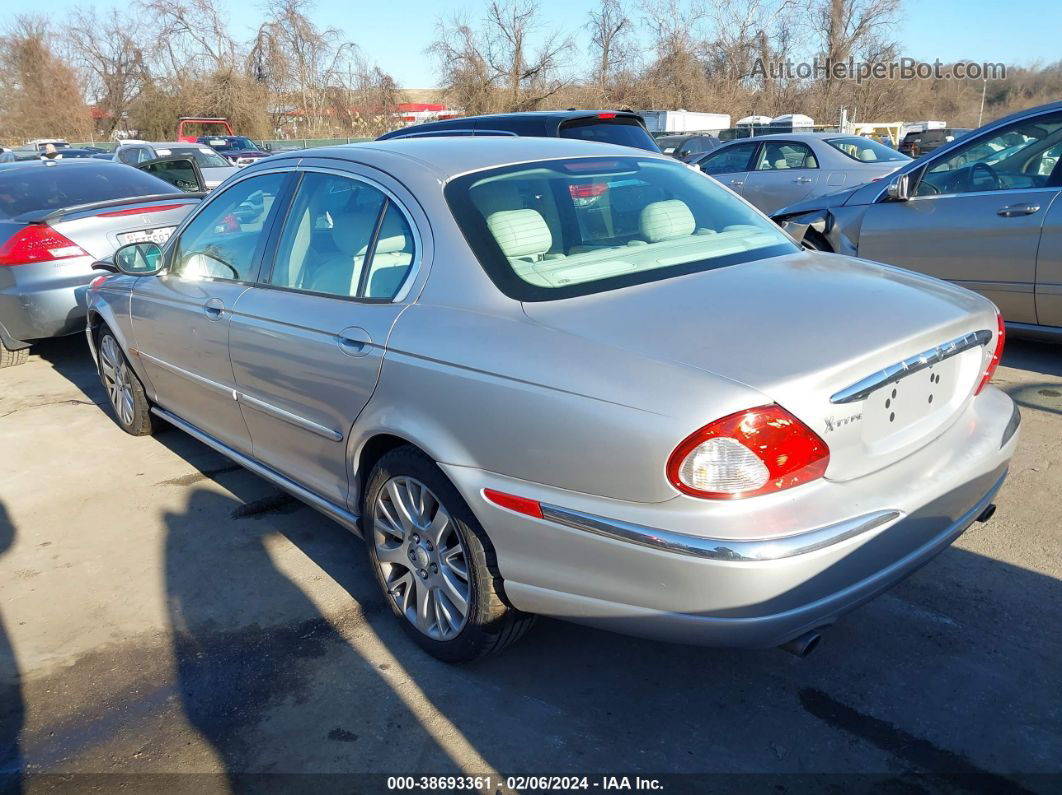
[
  {"x": 802, "y": 179},
  {"x": 354, "y": 341},
  {"x": 1012, "y": 210},
  {"x": 214, "y": 308}
]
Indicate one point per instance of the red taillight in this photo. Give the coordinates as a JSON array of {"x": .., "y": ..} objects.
[
  {"x": 606, "y": 115},
  {"x": 587, "y": 191},
  {"x": 997, "y": 354},
  {"x": 752, "y": 452},
  {"x": 513, "y": 503},
  {"x": 38, "y": 243},
  {"x": 158, "y": 208}
]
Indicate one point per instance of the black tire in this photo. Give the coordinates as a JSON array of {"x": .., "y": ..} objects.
[
  {"x": 813, "y": 241},
  {"x": 10, "y": 358},
  {"x": 491, "y": 625},
  {"x": 131, "y": 408}
]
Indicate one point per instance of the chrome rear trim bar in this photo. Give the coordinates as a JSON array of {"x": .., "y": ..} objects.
[
  {"x": 920, "y": 361},
  {"x": 720, "y": 548}
]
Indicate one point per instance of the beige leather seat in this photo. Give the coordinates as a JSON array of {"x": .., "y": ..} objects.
[
  {"x": 522, "y": 235},
  {"x": 666, "y": 220}
]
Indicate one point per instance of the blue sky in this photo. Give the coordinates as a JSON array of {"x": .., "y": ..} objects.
[{"x": 394, "y": 33}]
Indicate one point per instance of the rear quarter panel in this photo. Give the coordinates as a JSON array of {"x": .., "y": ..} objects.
[{"x": 504, "y": 394}]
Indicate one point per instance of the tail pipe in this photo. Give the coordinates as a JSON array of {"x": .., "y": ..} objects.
[
  {"x": 803, "y": 645},
  {"x": 987, "y": 513}
]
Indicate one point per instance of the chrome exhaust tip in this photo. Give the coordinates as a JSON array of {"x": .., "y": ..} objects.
[
  {"x": 803, "y": 645},
  {"x": 987, "y": 513}
]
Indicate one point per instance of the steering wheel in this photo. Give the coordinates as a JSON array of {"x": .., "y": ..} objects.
[{"x": 996, "y": 184}]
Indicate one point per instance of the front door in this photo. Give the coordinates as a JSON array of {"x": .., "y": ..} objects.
[
  {"x": 1049, "y": 264},
  {"x": 730, "y": 164},
  {"x": 180, "y": 319},
  {"x": 307, "y": 343},
  {"x": 976, "y": 215},
  {"x": 784, "y": 172}
]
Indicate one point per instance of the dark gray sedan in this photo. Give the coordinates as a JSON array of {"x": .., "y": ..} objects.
[
  {"x": 772, "y": 171},
  {"x": 982, "y": 211}
]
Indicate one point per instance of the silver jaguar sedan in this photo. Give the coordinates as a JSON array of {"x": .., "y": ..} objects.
[{"x": 543, "y": 376}]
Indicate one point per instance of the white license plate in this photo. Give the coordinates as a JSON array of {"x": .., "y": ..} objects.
[{"x": 159, "y": 235}]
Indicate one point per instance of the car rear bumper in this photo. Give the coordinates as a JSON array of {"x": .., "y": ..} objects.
[
  {"x": 746, "y": 581},
  {"x": 45, "y": 299}
]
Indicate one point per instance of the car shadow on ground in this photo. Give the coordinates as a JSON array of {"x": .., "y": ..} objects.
[
  {"x": 12, "y": 708},
  {"x": 1032, "y": 356},
  {"x": 949, "y": 673}
]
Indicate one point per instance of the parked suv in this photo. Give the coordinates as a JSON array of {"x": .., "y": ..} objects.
[
  {"x": 610, "y": 127},
  {"x": 915, "y": 144}
]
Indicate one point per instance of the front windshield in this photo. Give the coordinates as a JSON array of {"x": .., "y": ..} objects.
[
  {"x": 866, "y": 150},
  {"x": 203, "y": 156},
  {"x": 560, "y": 228}
]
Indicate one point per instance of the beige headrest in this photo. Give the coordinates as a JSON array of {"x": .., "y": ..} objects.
[
  {"x": 520, "y": 233},
  {"x": 666, "y": 220}
]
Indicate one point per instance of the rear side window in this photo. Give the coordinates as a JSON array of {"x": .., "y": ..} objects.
[
  {"x": 343, "y": 237},
  {"x": 52, "y": 187},
  {"x": 621, "y": 130}
]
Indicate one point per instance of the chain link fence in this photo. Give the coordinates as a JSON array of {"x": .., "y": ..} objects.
[{"x": 274, "y": 145}]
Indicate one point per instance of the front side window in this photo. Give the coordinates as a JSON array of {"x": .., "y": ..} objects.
[
  {"x": 343, "y": 237},
  {"x": 866, "y": 150},
  {"x": 221, "y": 241},
  {"x": 562, "y": 228},
  {"x": 1021, "y": 156},
  {"x": 785, "y": 155},
  {"x": 728, "y": 160}
]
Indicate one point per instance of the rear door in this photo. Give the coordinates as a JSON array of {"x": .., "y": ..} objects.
[
  {"x": 308, "y": 341},
  {"x": 180, "y": 319},
  {"x": 783, "y": 172},
  {"x": 730, "y": 164},
  {"x": 976, "y": 215},
  {"x": 1049, "y": 262}
]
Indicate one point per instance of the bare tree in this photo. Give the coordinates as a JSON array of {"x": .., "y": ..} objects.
[
  {"x": 611, "y": 42},
  {"x": 39, "y": 93},
  {"x": 106, "y": 50},
  {"x": 497, "y": 67}
]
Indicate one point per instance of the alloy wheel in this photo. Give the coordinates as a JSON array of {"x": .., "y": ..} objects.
[
  {"x": 423, "y": 562},
  {"x": 116, "y": 379}
]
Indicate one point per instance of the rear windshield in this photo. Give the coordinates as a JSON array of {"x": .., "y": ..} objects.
[
  {"x": 562, "y": 228},
  {"x": 231, "y": 144},
  {"x": 622, "y": 130},
  {"x": 866, "y": 150},
  {"x": 52, "y": 187}
]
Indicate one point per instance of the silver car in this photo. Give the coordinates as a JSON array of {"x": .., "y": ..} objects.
[
  {"x": 543, "y": 376},
  {"x": 215, "y": 168},
  {"x": 57, "y": 218},
  {"x": 775, "y": 170},
  {"x": 982, "y": 211}
]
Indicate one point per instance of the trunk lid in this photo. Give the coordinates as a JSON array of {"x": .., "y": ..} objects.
[
  {"x": 800, "y": 329},
  {"x": 101, "y": 228}
]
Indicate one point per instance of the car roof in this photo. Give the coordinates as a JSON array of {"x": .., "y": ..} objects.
[
  {"x": 448, "y": 157},
  {"x": 76, "y": 162},
  {"x": 797, "y": 136}
]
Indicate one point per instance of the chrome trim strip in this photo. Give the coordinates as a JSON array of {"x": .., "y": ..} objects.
[
  {"x": 1012, "y": 426},
  {"x": 228, "y": 390},
  {"x": 912, "y": 364},
  {"x": 719, "y": 548},
  {"x": 341, "y": 515},
  {"x": 288, "y": 417}
]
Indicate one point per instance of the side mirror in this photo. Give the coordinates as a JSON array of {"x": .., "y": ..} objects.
[
  {"x": 899, "y": 189},
  {"x": 181, "y": 172},
  {"x": 138, "y": 259}
]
